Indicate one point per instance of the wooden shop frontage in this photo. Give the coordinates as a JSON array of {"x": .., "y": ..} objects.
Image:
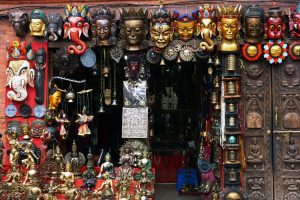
[{"x": 106, "y": 100}]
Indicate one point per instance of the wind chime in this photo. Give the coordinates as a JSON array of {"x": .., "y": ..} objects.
[{"x": 107, "y": 96}]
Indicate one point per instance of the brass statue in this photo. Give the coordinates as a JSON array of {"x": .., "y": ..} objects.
[
  {"x": 14, "y": 145},
  {"x": 67, "y": 177},
  {"x": 228, "y": 27},
  {"x": 103, "y": 26},
  {"x": 31, "y": 175},
  {"x": 233, "y": 196},
  {"x": 58, "y": 157},
  {"x": 26, "y": 130},
  {"x": 30, "y": 156},
  {"x": 37, "y": 23},
  {"x": 145, "y": 162},
  {"x": 105, "y": 191},
  {"x": 123, "y": 187},
  {"x": 13, "y": 176},
  {"x": 134, "y": 27},
  {"x": 75, "y": 158},
  {"x": 107, "y": 168}
]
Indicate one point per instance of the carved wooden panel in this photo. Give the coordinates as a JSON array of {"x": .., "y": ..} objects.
[
  {"x": 286, "y": 117},
  {"x": 256, "y": 87}
]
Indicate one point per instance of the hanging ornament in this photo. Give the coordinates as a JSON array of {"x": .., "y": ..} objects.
[
  {"x": 88, "y": 59},
  {"x": 70, "y": 94},
  {"x": 11, "y": 110},
  {"x": 116, "y": 54},
  {"x": 153, "y": 57},
  {"x": 252, "y": 52},
  {"x": 170, "y": 53},
  {"x": 275, "y": 51},
  {"x": 294, "y": 50},
  {"x": 186, "y": 54}
]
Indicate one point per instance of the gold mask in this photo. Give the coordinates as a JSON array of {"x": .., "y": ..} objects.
[
  {"x": 55, "y": 100},
  {"x": 37, "y": 27},
  {"x": 185, "y": 30},
  {"x": 161, "y": 35},
  {"x": 233, "y": 196},
  {"x": 134, "y": 34}
]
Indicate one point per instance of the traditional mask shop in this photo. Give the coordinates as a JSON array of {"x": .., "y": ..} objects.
[{"x": 108, "y": 100}]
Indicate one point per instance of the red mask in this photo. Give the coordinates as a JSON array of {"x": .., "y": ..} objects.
[
  {"x": 295, "y": 25},
  {"x": 274, "y": 28}
]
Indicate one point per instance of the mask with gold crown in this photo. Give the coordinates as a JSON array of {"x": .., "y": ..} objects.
[{"x": 229, "y": 26}]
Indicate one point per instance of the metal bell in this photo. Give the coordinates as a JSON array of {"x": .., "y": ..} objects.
[
  {"x": 231, "y": 121},
  {"x": 101, "y": 109},
  {"x": 217, "y": 61},
  {"x": 231, "y": 62},
  {"x": 210, "y": 61},
  {"x": 231, "y": 107},
  {"x": 213, "y": 97},
  {"x": 70, "y": 94},
  {"x": 231, "y": 87},
  {"x": 232, "y": 156},
  {"x": 162, "y": 62},
  {"x": 217, "y": 82},
  {"x": 178, "y": 60},
  {"x": 217, "y": 106}
]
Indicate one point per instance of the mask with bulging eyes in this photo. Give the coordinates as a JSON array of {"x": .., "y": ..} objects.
[{"x": 20, "y": 22}]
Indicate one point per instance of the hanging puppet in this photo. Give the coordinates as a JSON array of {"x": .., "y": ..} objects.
[
  {"x": 161, "y": 31},
  {"x": 61, "y": 118},
  {"x": 229, "y": 26},
  {"x": 253, "y": 18},
  {"x": 76, "y": 23},
  {"x": 83, "y": 120},
  {"x": 275, "y": 50}
]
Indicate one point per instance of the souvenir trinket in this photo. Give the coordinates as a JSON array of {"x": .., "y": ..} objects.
[
  {"x": 55, "y": 96},
  {"x": 76, "y": 23},
  {"x": 294, "y": 22},
  {"x": 231, "y": 62},
  {"x": 153, "y": 57},
  {"x": 186, "y": 54},
  {"x": 116, "y": 54},
  {"x": 253, "y": 19},
  {"x": 228, "y": 27},
  {"x": 65, "y": 62},
  {"x": 39, "y": 111},
  {"x": 206, "y": 27},
  {"x": 252, "y": 52},
  {"x": 20, "y": 22},
  {"x": 83, "y": 120},
  {"x": 75, "y": 158},
  {"x": 274, "y": 26},
  {"x": 54, "y": 26},
  {"x": 88, "y": 59},
  {"x": 275, "y": 51},
  {"x": 11, "y": 110},
  {"x": 37, "y": 24},
  {"x": 294, "y": 50},
  {"x": 103, "y": 26}
]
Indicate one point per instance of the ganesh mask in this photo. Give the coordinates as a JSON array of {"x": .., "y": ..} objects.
[
  {"x": 274, "y": 27},
  {"x": 54, "y": 26},
  {"x": 206, "y": 26},
  {"x": 76, "y": 24},
  {"x": 19, "y": 75},
  {"x": 20, "y": 22}
]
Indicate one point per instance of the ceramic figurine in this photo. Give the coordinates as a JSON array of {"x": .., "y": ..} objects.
[
  {"x": 229, "y": 26},
  {"x": 37, "y": 22}
]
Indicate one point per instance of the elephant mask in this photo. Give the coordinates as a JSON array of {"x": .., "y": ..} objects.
[
  {"x": 76, "y": 24},
  {"x": 19, "y": 75},
  {"x": 294, "y": 22},
  {"x": 20, "y": 23},
  {"x": 206, "y": 27},
  {"x": 54, "y": 26}
]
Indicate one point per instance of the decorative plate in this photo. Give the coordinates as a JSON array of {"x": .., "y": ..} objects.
[
  {"x": 153, "y": 57},
  {"x": 116, "y": 54},
  {"x": 11, "y": 110},
  {"x": 186, "y": 53},
  {"x": 275, "y": 51},
  {"x": 88, "y": 59},
  {"x": 294, "y": 50},
  {"x": 203, "y": 165},
  {"x": 170, "y": 53},
  {"x": 252, "y": 52},
  {"x": 25, "y": 110},
  {"x": 39, "y": 111}
]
